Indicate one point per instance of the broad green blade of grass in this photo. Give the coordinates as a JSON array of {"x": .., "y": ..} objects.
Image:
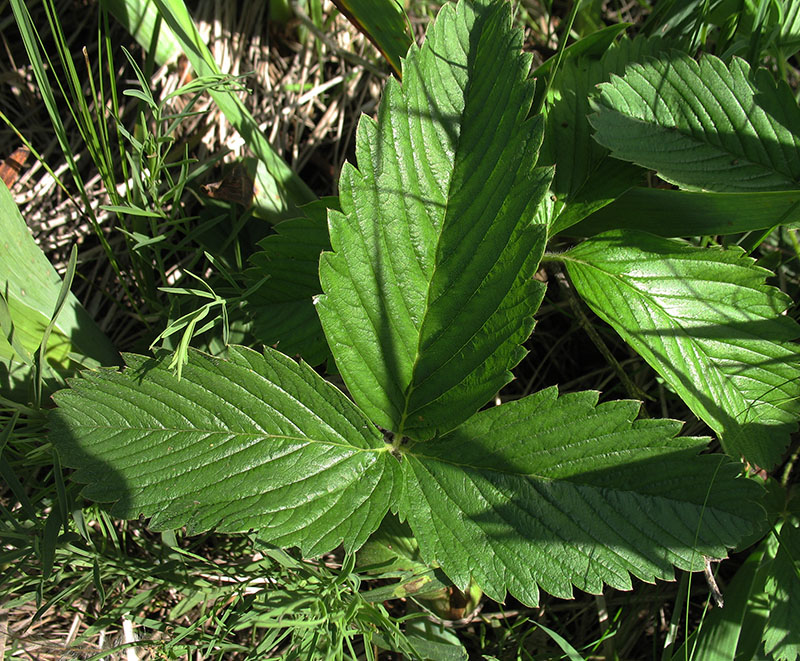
[
  {"x": 703, "y": 125},
  {"x": 383, "y": 22},
  {"x": 706, "y": 321},
  {"x": 782, "y": 633},
  {"x": 30, "y": 288},
  {"x": 429, "y": 292},
  {"x": 289, "y": 189},
  {"x": 789, "y": 21},
  {"x": 141, "y": 19},
  {"x": 673, "y": 213}
]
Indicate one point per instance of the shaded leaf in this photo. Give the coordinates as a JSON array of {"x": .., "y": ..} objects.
[
  {"x": 587, "y": 178},
  {"x": 429, "y": 292},
  {"x": 789, "y": 22},
  {"x": 556, "y": 492},
  {"x": 705, "y": 321},
  {"x": 282, "y": 307},
  {"x": 782, "y": 634},
  {"x": 255, "y": 441},
  {"x": 674, "y": 213}
]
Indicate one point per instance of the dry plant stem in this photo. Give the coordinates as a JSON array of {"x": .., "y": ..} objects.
[
  {"x": 602, "y": 619},
  {"x": 632, "y": 389}
]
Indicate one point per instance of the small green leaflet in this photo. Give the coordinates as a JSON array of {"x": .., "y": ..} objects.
[
  {"x": 705, "y": 321},
  {"x": 429, "y": 292},
  {"x": 703, "y": 126}
]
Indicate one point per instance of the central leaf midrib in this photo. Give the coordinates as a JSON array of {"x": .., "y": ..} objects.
[
  {"x": 414, "y": 384},
  {"x": 236, "y": 434}
]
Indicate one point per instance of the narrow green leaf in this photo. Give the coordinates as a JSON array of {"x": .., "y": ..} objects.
[
  {"x": 673, "y": 213},
  {"x": 555, "y": 492},
  {"x": 429, "y": 292},
  {"x": 789, "y": 39},
  {"x": 49, "y": 542},
  {"x": 384, "y": 24},
  {"x": 562, "y": 642},
  {"x": 703, "y": 126},
  {"x": 705, "y": 321},
  {"x": 141, "y": 19},
  {"x": 681, "y": 19},
  {"x": 256, "y": 441},
  {"x": 782, "y": 633}
]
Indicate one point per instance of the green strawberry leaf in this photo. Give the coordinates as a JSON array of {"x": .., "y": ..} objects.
[
  {"x": 429, "y": 293},
  {"x": 587, "y": 178},
  {"x": 555, "y": 492},
  {"x": 707, "y": 323},
  {"x": 703, "y": 126},
  {"x": 254, "y": 441},
  {"x": 282, "y": 308}
]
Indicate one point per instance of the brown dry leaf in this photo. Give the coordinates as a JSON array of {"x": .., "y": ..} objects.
[{"x": 11, "y": 168}]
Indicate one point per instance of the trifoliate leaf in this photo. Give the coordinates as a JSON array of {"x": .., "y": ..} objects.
[
  {"x": 554, "y": 492},
  {"x": 703, "y": 126},
  {"x": 282, "y": 308},
  {"x": 429, "y": 292},
  {"x": 704, "y": 320},
  {"x": 255, "y": 441}
]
